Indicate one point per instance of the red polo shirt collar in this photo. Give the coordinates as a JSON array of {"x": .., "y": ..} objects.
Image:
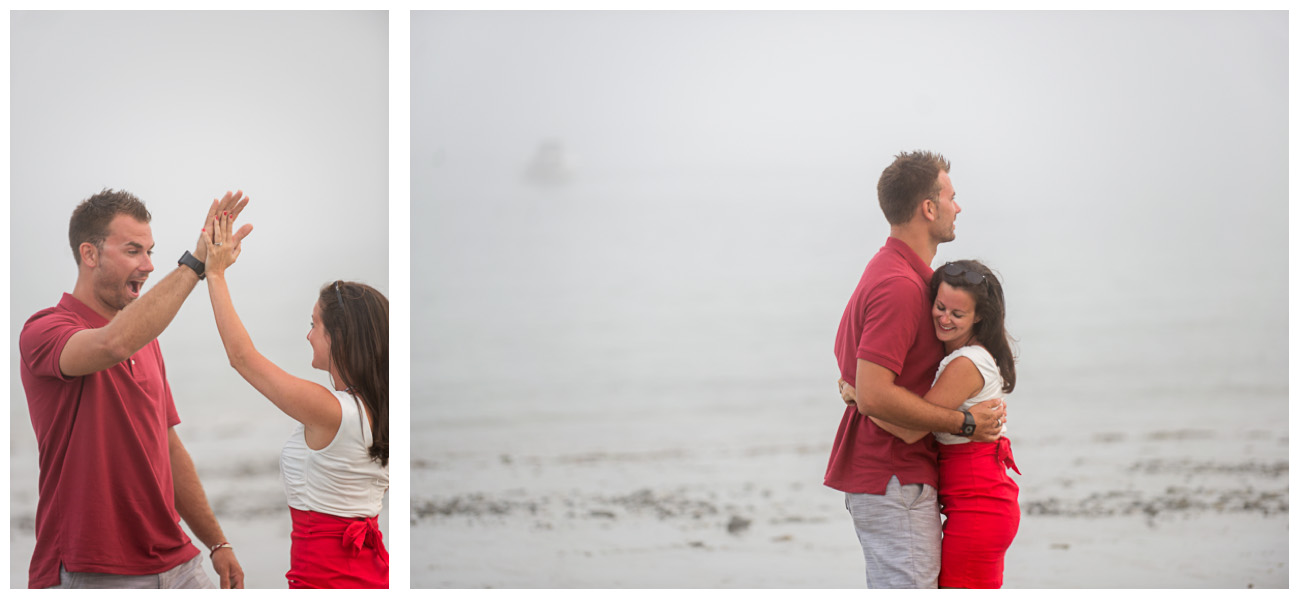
[
  {"x": 93, "y": 319},
  {"x": 909, "y": 255}
]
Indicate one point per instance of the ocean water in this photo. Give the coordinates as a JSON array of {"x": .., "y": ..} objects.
[
  {"x": 716, "y": 297},
  {"x": 711, "y": 205}
]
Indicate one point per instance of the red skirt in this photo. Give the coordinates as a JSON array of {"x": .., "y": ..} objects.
[
  {"x": 335, "y": 552},
  {"x": 981, "y": 503}
]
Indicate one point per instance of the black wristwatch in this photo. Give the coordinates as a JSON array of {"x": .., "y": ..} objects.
[
  {"x": 188, "y": 260},
  {"x": 968, "y": 427}
]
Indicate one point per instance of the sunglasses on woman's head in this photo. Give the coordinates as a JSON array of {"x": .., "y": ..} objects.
[{"x": 956, "y": 270}]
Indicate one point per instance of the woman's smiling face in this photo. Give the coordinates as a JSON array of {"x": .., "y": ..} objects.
[{"x": 954, "y": 316}]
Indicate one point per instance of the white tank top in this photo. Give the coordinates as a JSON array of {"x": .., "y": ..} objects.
[
  {"x": 992, "y": 385},
  {"x": 339, "y": 479}
]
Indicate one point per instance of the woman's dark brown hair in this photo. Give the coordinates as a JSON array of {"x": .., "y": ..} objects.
[
  {"x": 990, "y": 307},
  {"x": 355, "y": 316}
]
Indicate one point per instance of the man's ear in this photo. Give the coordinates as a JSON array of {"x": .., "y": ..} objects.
[
  {"x": 929, "y": 209},
  {"x": 89, "y": 254}
]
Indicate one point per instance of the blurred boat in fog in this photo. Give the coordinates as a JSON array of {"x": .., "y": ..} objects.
[{"x": 551, "y": 165}]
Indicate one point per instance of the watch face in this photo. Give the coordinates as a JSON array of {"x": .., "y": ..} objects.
[{"x": 192, "y": 262}]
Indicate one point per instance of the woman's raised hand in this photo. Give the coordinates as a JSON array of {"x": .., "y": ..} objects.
[
  {"x": 231, "y": 203},
  {"x": 223, "y": 246}
]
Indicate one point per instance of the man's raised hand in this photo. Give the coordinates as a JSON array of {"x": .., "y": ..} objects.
[{"x": 229, "y": 203}]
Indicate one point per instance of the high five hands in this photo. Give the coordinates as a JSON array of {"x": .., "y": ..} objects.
[{"x": 220, "y": 246}]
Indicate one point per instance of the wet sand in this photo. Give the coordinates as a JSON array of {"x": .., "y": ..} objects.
[{"x": 1157, "y": 509}]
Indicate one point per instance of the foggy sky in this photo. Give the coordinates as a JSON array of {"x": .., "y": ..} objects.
[{"x": 177, "y": 108}]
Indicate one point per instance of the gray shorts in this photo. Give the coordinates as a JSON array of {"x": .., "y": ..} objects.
[
  {"x": 900, "y": 535},
  {"x": 188, "y": 575}
]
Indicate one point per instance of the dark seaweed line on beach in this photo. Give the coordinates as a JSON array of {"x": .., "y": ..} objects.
[
  {"x": 1174, "y": 500},
  {"x": 1276, "y": 469},
  {"x": 678, "y": 505},
  {"x": 640, "y": 502},
  {"x": 643, "y": 503}
]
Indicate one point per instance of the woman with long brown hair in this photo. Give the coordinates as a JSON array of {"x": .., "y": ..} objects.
[
  {"x": 978, "y": 496},
  {"x": 335, "y": 464}
]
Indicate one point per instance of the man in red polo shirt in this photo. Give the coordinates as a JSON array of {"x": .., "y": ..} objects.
[
  {"x": 115, "y": 479},
  {"x": 887, "y": 347}
]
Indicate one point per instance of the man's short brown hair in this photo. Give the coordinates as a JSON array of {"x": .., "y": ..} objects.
[
  {"x": 91, "y": 218},
  {"x": 913, "y": 177}
]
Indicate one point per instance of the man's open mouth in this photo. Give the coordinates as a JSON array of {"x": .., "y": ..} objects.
[{"x": 135, "y": 286}]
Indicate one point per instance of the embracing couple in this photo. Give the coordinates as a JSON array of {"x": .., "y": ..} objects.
[
  {"x": 924, "y": 351},
  {"x": 115, "y": 480}
]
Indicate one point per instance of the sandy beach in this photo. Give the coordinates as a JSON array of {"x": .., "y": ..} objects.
[{"x": 1101, "y": 509}]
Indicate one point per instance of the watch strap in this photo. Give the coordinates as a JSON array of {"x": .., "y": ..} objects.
[
  {"x": 968, "y": 425},
  {"x": 190, "y": 261}
]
